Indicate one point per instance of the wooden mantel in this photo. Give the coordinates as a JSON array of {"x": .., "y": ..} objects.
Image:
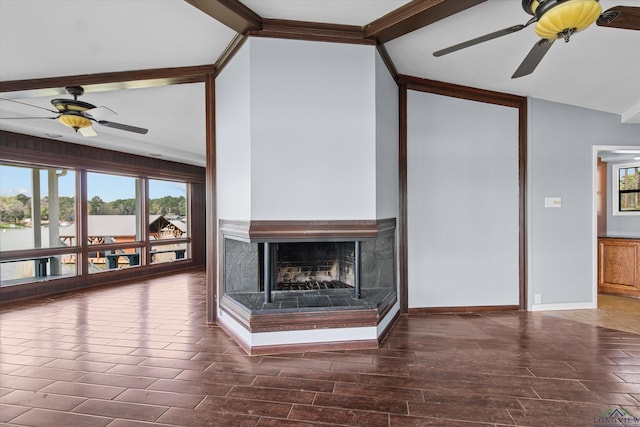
[{"x": 275, "y": 231}]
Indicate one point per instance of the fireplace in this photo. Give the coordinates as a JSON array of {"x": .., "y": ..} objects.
[
  {"x": 300, "y": 275},
  {"x": 313, "y": 162},
  {"x": 307, "y": 277}
]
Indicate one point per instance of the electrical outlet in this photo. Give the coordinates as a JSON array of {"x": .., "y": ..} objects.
[{"x": 537, "y": 298}]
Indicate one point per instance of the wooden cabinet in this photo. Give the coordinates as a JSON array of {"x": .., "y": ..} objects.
[{"x": 619, "y": 266}]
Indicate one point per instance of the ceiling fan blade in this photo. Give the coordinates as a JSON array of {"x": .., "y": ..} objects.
[
  {"x": 533, "y": 58},
  {"x": 481, "y": 39},
  {"x": 87, "y": 132},
  {"x": 123, "y": 127},
  {"x": 97, "y": 112},
  {"x": 627, "y": 17},
  {"x": 28, "y": 105}
]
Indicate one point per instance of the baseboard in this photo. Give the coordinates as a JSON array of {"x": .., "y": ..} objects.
[
  {"x": 465, "y": 309},
  {"x": 565, "y": 306},
  {"x": 319, "y": 346}
]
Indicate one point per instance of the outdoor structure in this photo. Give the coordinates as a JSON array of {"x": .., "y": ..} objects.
[{"x": 121, "y": 229}]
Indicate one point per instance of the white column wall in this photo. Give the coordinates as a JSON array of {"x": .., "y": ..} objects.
[
  {"x": 387, "y": 131},
  {"x": 233, "y": 138},
  {"x": 312, "y": 130}
]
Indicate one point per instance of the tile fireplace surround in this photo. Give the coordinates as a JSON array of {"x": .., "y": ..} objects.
[{"x": 292, "y": 285}]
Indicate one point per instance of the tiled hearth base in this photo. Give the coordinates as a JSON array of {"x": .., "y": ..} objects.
[{"x": 302, "y": 320}]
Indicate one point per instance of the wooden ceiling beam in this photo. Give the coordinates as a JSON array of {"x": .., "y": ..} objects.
[
  {"x": 102, "y": 82},
  {"x": 413, "y": 16},
  {"x": 303, "y": 30},
  {"x": 231, "y": 13}
]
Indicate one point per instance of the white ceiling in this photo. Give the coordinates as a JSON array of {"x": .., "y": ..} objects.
[{"x": 599, "y": 68}]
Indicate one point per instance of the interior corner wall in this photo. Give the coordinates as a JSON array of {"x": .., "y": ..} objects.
[
  {"x": 233, "y": 138},
  {"x": 313, "y": 130},
  {"x": 560, "y": 164},
  {"x": 387, "y": 134}
]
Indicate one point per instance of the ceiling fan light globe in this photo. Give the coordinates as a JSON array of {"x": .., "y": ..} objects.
[
  {"x": 573, "y": 15},
  {"x": 74, "y": 121}
]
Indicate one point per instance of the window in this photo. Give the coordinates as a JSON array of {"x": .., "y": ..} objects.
[
  {"x": 113, "y": 206},
  {"x": 168, "y": 221},
  {"x": 37, "y": 268},
  {"x": 626, "y": 190},
  {"x": 37, "y": 207},
  {"x": 37, "y": 216},
  {"x": 168, "y": 199}
]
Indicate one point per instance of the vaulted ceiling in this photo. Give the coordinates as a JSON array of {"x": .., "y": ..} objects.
[{"x": 146, "y": 59}]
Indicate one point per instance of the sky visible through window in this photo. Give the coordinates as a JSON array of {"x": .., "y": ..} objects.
[{"x": 17, "y": 180}]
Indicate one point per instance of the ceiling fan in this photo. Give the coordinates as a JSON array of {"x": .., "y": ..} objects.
[
  {"x": 557, "y": 19},
  {"x": 78, "y": 115}
]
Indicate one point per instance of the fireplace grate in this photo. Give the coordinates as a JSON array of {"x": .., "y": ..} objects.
[{"x": 312, "y": 285}]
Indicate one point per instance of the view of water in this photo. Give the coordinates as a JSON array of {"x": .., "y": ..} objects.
[{"x": 12, "y": 239}]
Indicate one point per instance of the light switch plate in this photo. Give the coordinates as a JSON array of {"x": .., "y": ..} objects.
[{"x": 552, "y": 202}]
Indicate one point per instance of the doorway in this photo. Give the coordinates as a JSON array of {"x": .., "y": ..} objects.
[{"x": 605, "y": 223}]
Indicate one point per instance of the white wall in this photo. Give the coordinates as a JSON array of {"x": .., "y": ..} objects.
[
  {"x": 462, "y": 196},
  {"x": 561, "y": 246},
  {"x": 387, "y": 132},
  {"x": 233, "y": 138},
  {"x": 313, "y": 130}
]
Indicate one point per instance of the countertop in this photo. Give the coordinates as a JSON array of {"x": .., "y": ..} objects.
[{"x": 619, "y": 237}]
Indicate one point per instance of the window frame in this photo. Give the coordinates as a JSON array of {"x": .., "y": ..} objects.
[
  {"x": 82, "y": 246},
  {"x": 616, "y": 192}
]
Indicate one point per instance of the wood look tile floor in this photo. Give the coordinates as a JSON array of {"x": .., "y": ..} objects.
[{"x": 141, "y": 354}]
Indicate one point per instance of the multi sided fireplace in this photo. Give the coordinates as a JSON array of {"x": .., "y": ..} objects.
[{"x": 307, "y": 275}]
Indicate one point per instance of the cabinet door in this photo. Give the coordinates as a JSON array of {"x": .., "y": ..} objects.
[{"x": 619, "y": 266}]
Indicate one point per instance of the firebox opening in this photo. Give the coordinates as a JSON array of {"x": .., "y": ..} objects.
[{"x": 312, "y": 266}]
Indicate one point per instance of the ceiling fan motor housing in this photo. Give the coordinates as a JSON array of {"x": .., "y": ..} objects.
[
  {"x": 72, "y": 110},
  {"x": 561, "y": 18},
  {"x": 64, "y": 105}
]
